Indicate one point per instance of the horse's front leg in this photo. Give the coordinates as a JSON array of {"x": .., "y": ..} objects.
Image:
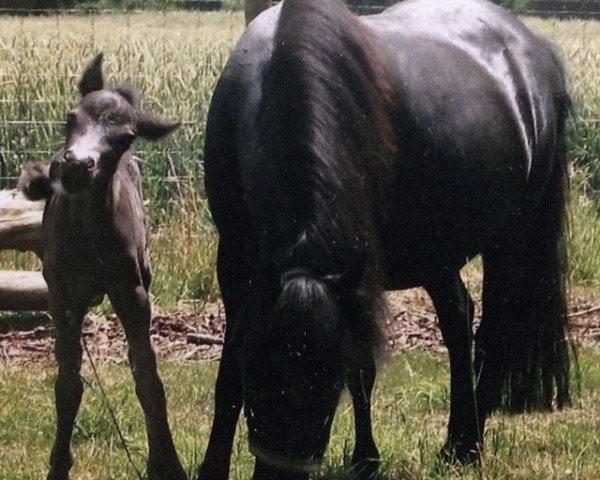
[
  {"x": 454, "y": 308},
  {"x": 132, "y": 305},
  {"x": 68, "y": 388},
  {"x": 232, "y": 272},
  {"x": 360, "y": 380}
]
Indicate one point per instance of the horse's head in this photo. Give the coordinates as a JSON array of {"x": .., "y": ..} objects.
[
  {"x": 100, "y": 129},
  {"x": 294, "y": 365}
]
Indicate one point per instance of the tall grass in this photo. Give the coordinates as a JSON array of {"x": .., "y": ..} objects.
[
  {"x": 578, "y": 42},
  {"x": 175, "y": 59},
  {"x": 584, "y": 233}
]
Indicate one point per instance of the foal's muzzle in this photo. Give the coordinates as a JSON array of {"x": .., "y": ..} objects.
[{"x": 73, "y": 175}]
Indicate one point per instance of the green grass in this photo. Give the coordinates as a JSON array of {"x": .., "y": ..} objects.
[
  {"x": 175, "y": 58},
  {"x": 410, "y": 414}
]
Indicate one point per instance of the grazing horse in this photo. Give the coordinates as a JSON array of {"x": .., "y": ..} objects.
[
  {"x": 95, "y": 243},
  {"x": 347, "y": 156}
]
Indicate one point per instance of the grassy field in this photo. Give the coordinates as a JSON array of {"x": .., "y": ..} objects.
[
  {"x": 175, "y": 59},
  {"x": 410, "y": 414}
]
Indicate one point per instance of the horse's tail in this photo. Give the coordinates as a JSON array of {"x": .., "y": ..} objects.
[
  {"x": 325, "y": 129},
  {"x": 531, "y": 293},
  {"x": 35, "y": 182}
]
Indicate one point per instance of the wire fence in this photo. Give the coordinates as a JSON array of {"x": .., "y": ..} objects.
[{"x": 175, "y": 57}]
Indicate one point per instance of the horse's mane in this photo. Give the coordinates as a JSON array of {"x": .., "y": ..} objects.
[
  {"x": 328, "y": 98},
  {"x": 326, "y": 111}
]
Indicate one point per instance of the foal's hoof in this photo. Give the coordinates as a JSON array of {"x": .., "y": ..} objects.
[
  {"x": 208, "y": 472},
  {"x": 171, "y": 472},
  {"x": 366, "y": 468},
  {"x": 460, "y": 454},
  {"x": 57, "y": 476}
]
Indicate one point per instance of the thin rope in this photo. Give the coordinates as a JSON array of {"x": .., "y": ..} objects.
[{"x": 111, "y": 412}]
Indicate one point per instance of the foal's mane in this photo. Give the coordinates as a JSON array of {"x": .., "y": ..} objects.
[{"x": 326, "y": 111}]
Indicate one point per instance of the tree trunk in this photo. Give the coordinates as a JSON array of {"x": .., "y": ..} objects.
[
  {"x": 20, "y": 222},
  {"x": 254, "y": 7},
  {"x": 23, "y": 291}
]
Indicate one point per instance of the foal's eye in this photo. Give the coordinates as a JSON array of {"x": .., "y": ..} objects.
[
  {"x": 110, "y": 118},
  {"x": 70, "y": 121}
]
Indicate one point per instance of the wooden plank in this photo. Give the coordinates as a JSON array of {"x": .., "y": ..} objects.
[
  {"x": 23, "y": 291},
  {"x": 20, "y": 222}
]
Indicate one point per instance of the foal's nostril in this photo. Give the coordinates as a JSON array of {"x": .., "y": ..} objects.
[{"x": 69, "y": 156}]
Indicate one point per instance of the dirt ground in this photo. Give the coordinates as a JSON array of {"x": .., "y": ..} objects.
[{"x": 189, "y": 336}]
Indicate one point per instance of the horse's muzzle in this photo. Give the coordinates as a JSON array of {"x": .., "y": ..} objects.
[{"x": 285, "y": 463}]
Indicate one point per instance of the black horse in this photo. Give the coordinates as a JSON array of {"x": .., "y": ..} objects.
[{"x": 346, "y": 156}]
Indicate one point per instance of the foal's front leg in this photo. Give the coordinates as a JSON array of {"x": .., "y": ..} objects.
[
  {"x": 68, "y": 387},
  {"x": 132, "y": 305},
  {"x": 454, "y": 308}
]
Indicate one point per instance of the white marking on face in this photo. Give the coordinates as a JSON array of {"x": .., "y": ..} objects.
[{"x": 87, "y": 146}]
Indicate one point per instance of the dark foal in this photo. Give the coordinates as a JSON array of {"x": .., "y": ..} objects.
[{"x": 95, "y": 243}]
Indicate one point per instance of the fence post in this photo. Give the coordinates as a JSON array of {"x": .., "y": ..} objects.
[{"x": 20, "y": 229}]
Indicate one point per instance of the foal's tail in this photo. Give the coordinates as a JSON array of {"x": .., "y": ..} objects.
[
  {"x": 35, "y": 181},
  {"x": 530, "y": 293}
]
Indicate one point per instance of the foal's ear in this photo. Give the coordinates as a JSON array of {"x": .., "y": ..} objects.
[
  {"x": 130, "y": 93},
  {"x": 154, "y": 128},
  {"x": 91, "y": 79}
]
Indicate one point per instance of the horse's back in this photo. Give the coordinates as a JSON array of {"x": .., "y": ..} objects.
[
  {"x": 476, "y": 127},
  {"x": 476, "y": 124}
]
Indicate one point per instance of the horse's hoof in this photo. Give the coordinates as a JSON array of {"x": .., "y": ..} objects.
[
  {"x": 460, "y": 454},
  {"x": 57, "y": 476},
  {"x": 166, "y": 472}
]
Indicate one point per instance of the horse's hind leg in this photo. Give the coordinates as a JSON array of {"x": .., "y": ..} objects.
[
  {"x": 132, "y": 305},
  {"x": 499, "y": 283},
  {"x": 68, "y": 386},
  {"x": 360, "y": 381},
  {"x": 454, "y": 309}
]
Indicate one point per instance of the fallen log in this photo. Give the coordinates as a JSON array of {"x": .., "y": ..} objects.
[
  {"x": 203, "y": 339},
  {"x": 20, "y": 222},
  {"x": 23, "y": 291}
]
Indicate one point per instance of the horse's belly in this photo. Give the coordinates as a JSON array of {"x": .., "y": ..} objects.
[{"x": 436, "y": 225}]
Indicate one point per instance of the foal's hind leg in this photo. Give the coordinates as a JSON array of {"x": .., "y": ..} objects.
[
  {"x": 360, "y": 380},
  {"x": 454, "y": 308},
  {"x": 132, "y": 305},
  {"x": 68, "y": 387}
]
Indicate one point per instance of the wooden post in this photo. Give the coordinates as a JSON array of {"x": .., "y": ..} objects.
[
  {"x": 21, "y": 229},
  {"x": 20, "y": 222},
  {"x": 254, "y": 7},
  {"x": 23, "y": 291}
]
